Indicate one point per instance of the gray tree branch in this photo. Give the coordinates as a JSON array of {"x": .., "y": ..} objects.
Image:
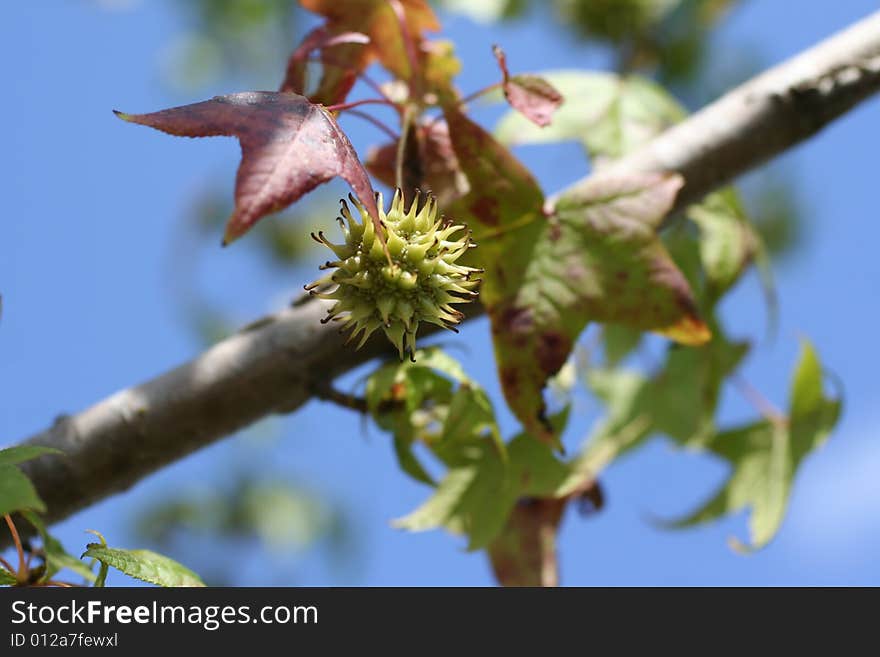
[{"x": 270, "y": 366}]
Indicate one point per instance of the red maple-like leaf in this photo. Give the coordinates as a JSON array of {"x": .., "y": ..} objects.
[
  {"x": 531, "y": 95},
  {"x": 289, "y": 146}
]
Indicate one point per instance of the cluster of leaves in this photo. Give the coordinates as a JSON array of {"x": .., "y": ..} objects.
[
  {"x": 40, "y": 565},
  {"x": 596, "y": 253},
  {"x": 499, "y": 494},
  {"x": 509, "y": 497}
]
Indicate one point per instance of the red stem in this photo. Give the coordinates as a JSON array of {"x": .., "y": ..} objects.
[
  {"x": 763, "y": 405},
  {"x": 375, "y": 86},
  {"x": 7, "y": 565},
  {"x": 376, "y": 122},
  {"x": 480, "y": 92},
  {"x": 341, "y": 107},
  {"x": 22, "y": 565},
  {"x": 408, "y": 45}
]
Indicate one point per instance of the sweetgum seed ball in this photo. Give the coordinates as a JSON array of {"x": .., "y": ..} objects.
[{"x": 417, "y": 280}]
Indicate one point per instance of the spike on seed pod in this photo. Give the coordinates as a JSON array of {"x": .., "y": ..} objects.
[{"x": 420, "y": 282}]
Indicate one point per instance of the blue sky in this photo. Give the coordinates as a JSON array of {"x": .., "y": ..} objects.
[{"x": 93, "y": 207}]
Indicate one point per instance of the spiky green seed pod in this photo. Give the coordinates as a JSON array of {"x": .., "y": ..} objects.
[{"x": 418, "y": 279}]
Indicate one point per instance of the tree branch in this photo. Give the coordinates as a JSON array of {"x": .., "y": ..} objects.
[{"x": 270, "y": 366}]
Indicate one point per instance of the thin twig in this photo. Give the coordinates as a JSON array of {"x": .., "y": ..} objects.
[
  {"x": 479, "y": 92},
  {"x": 16, "y": 539},
  {"x": 763, "y": 405},
  {"x": 341, "y": 107},
  {"x": 325, "y": 391},
  {"x": 409, "y": 46},
  {"x": 7, "y": 565},
  {"x": 376, "y": 122}
]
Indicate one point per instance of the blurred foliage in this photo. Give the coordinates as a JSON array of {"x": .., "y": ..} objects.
[
  {"x": 777, "y": 214},
  {"x": 282, "y": 242},
  {"x": 485, "y": 11},
  {"x": 666, "y": 36},
  {"x": 281, "y": 519},
  {"x": 285, "y": 238},
  {"x": 247, "y": 38}
]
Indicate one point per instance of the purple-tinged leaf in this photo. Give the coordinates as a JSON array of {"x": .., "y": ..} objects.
[
  {"x": 343, "y": 57},
  {"x": 531, "y": 95},
  {"x": 289, "y": 146}
]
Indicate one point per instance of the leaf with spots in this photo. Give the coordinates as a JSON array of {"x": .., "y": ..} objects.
[
  {"x": 289, "y": 146},
  {"x": 530, "y": 95},
  {"x": 503, "y": 206},
  {"x": 614, "y": 115},
  {"x": 765, "y": 455},
  {"x": 599, "y": 258},
  {"x": 503, "y": 194}
]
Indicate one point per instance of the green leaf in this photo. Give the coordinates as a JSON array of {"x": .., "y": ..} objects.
[
  {"x": 408, "y": 461},
  {"x": 57, "y": 558},
  {"x": 412, "y": 382},
  {"x": 806, "y": 385},
  {"x": 610, "y": 115},
  {"x": 475, "y": 498},
  {"x": 812, "y": 415},
  {"x": 597, "y": 259},
  {"x": 7, "y": 578},
  {"x": 101, "y": 579},
  {"x": 728, "y": 243},
  {"x": 22, "y": 453},
  {"x": 536, "y": 468},
  {"x": 418, "y": 402},
  {"x": 144, "y": 565},
  {"x": 619, "y": 342},
  {"x": 17, "y": 493},
  {"x": 482, "y": 486},
  {"x": 678, "y": 401},
  {"x": 470, "y": 414},
  {"x": 765, "y": 456}
]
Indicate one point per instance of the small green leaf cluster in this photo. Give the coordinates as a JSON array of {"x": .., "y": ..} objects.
[{"x": 38, "y": 566}]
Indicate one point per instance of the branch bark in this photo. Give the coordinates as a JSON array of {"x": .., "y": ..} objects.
[{"x": 270, "y": 366}]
